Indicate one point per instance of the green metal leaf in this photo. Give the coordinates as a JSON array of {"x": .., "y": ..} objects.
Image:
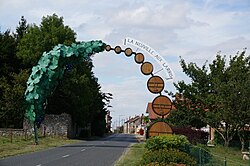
[
  {"x": 29, "y": 97},
  {"x": 36, "y": 96},
  {"x": 30, "y": 88},
  {"x": 89, "y": 50}
]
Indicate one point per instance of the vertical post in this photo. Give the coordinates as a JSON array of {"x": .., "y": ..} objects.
[
  {"x": 35, "y": 132},
  {"x": 119, "y": 121},
  {"x": 225, "y": 161},
  {"x": 11, "y": 135},
  {"x": 249, "y": 153},
  {"x": 25, "y": 134},
  {"x": 200, "y": 156}
]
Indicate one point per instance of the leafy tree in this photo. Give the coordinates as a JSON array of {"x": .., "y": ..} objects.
[
  {"x": 12, "y": 102},
  {"x": 189, "y": 117},
  {"x": 13, "y": 80},
  {"x": 8, "y": 60},
  {"x": 218, "y": 94},
  {"x": 21, "y": 30},
  {"x": 42, "y": 38}
]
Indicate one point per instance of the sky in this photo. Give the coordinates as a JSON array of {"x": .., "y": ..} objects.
[{"x": 195, "y": 30}]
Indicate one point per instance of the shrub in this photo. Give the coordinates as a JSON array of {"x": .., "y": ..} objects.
[
  {"x": 194, "y": 136},
  {"x": 167, "y": 157},
  {"x": 167, "y": 141}
]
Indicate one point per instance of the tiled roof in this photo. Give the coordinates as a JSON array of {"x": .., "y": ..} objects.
[
  {"x": 133, "y": 119},
  {"x": 152, "y": 114}
]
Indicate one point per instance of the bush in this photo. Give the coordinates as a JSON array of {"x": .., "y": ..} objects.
[
  {"x": 194, "y": 136},
  {"x": 167, "y": 157},
  {"x": 167, "y": 141}
]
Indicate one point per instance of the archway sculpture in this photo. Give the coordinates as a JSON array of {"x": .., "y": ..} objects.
[{"x": 51, "y": 66}]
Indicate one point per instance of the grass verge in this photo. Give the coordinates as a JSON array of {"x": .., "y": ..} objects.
[
  {"x": 132, "y": 156},
  {"x": 20, "y": 146},
  {"x": 232, "y": 155}
]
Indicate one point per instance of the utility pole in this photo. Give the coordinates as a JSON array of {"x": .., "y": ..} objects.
[{"x": 119, "y": 120}]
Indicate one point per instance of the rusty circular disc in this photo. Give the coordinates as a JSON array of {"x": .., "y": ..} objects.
[
  {"x": 155, "y": 84},
  {"x": 108, "y": 48},
  {"x": 147, "y": 68},
  {"x": 128, "y": 51},
  {"x": 162, "y": 105},
  {"x": 159, "y": 128},
  {"x": 139, "y": 58},
  {"x": 118, "y": 49}
]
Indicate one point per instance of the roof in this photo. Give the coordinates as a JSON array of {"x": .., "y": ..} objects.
[
  {"x": 133, "y": 119},
  {"x": 152, "y": 114}
]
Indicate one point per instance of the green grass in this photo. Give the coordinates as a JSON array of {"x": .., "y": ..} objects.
[
  {"x": 133, "y": 156},
  {"x": 233, "y": 155},
  {"x": 20, "y": 146}
]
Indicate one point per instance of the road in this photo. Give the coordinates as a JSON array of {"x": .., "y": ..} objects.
[{"x": 101, "y": 152}]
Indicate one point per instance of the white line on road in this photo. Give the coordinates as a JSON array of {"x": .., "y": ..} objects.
[
  {"x": 65, "y": 156},
  {"x": 39, "y": 165},
  {"x": 83, "y": 150}
]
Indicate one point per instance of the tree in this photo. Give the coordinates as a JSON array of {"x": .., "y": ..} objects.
[
  {"x": 219, "y": 93},
  {"x": 12, "y": 102},
  {"x": 8, "y": 61},
  {"x": 11, "y": 85},
  {"x": 21, "y": 30},
  {"x": 13, "y": 80},
  {"x": 42, "y": 38}
]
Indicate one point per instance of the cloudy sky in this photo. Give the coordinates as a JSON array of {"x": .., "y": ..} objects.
[{"x": 194, "y": 30}]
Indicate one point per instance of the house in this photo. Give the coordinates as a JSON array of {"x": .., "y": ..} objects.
[
  {"x": 133, "y": 125},
  {"x": 108, "y": 119},
  {"x": 151, "y": 114}
]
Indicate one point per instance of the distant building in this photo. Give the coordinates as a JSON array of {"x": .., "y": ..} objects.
[
  {"x": 108, "y": 120},
  {"x": 133, "y": 125},
  {"x": 151, "y": 114}
]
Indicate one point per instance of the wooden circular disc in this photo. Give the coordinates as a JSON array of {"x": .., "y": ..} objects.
[
  {"x": 108, "y": 48},
  {"x": 155, "y": 84},
  {"x": 147, "y": 68},
  {"x": 128, "y": 51},
  {"x": 118, "y": 49},
  {"x": 162, "y": 105},
  {"x": 139, "y": 58},
  {"x": 159, "y": 128}
]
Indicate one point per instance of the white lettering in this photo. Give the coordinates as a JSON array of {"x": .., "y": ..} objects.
[
  {"x": 160, "y": 60},
  {"x": 130, "y": 41}
]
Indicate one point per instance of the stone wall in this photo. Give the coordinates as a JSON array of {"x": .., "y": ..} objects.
[
  {"x": 53, "y": 125},
  {"x": 15, "y": 132},
  {"x": 57, "y": 125}
]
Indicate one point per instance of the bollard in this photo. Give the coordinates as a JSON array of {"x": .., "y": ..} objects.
[{"x": 225, "y": 161}]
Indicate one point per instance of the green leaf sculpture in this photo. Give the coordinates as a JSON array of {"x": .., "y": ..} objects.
[{"x": 50, "y": 69}]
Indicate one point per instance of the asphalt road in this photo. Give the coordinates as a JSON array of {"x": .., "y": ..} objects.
[{"x": 102, "y": 152}]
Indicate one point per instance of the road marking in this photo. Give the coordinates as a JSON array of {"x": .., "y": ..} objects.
[
  {"x": 39, "y": 165},
  {"x": 65, "y": 156},
  {"x": 83, "y": 150}
]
